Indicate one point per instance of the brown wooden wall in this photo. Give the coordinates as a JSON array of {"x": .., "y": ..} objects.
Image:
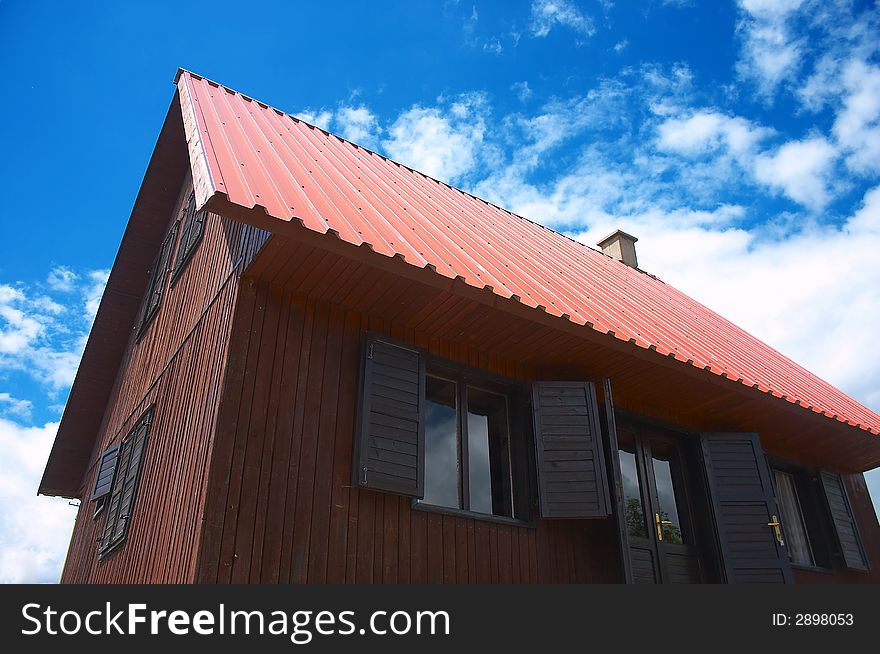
[
  {"x": 178, "y": 364},
  {"x": 281, "y": 507}
]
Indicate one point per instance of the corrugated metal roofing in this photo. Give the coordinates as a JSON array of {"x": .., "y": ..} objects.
[{"x": 260, "y": 157}]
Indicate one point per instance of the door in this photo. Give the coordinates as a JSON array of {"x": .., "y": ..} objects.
[{"x": 657, "y": 510}]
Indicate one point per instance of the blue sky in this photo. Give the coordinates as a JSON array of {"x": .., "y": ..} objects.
[{"x": 740, "y": 141}]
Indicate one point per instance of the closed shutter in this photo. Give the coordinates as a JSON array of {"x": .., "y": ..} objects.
[
  {"x": 156, "y": 287},
  {"x": 851, "y": 550},
  {"x": 743, "y": 504},
  {"x": 191, "y": 233},
  {"x": 390, "y": 448},
  {"x": 571, "y": 462},
  {"x": 122, "y": 498},
  {"x": 106, "y": 471}
]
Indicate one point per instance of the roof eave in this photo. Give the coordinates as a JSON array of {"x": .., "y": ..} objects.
[{"x": 111, "y": 331}]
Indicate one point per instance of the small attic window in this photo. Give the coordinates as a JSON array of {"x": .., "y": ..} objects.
[{"x": 191, "y": 231}]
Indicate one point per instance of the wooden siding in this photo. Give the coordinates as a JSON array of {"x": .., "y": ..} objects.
[
  {"x": 177, "y": 364},
  {"x": 281, "y": 505}
]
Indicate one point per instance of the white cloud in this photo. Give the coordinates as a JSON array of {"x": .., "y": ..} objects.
[
  {"x": 34, "y": 531},
  {"x": 522, "y": 90},
  {"x": 61, "y": 278},
  {"x": 771, "y": 53},
  {"x": 97, "y": 280},
  {"x": 43, "y": 337},
  {"x": 547, "y": 14},
  {"x": 319, "y": 118},
  {"x": 493, "y": 45},
  {"x": 357, "y": 124},
  {"x": 707, "y": 130},
  {"x": 14, "y": 406},
  {"x": 800, "y": 169},
  {"x": 856, "y": 126},
  {"x": 620, "y": 46},
  {"x": 443, "y": 142}
]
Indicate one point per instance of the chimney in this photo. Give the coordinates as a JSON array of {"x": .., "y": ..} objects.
[{"x": 621, "y": 246}]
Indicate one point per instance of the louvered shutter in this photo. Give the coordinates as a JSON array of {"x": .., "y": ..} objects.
[
  {"x": 743, "y": 504},
  {"x": 571, "y": 463},
  {"x": 191, "y": 233},
  {"x": 122, "y": 498},
  {"x": 851, "y": 550},
  {"x": 156, "y": 287},
  {"x": 106, "y": 471},
  {"x": 390, "y": 450}
]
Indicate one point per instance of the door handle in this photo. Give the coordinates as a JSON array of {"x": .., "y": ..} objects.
[
  {"x": 777, "y": 529},
  {"x": 659, "y": 524}
]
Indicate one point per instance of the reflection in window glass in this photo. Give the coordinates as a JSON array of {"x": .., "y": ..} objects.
[
  {"x": 792, "y": 519},
  {"x": 632, "y": 497},
  {"x": 666, "y": 500},
  {"x": 441, "y": 444},
  {"x": 488, "y": 453}
]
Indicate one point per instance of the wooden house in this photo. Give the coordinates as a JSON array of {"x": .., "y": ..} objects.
[{"x": 314, "y": 364}]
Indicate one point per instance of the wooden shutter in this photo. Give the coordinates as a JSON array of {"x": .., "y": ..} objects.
[
  {"x": 845, "y": 530},
  {"x": 571, "y": 462},
  {"x": 617, "y": 506},
  {"x": 156, "y": 286},
  {"x": 106, "y": 472},
  {"x": 743, "y": 502},
  {"x": 131, "y": 455},
  {"x": 191, "y": 233},
  {"x": 390, "y": 448}
]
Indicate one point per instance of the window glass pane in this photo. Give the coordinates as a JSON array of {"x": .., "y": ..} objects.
[
  {"x": 792, "y": 519},
  {"x": 666, "y": 500},
  {"x": 488, "y": 453},
  {"x": 632, "y": 496},
  {"x": 441, "y": 444}
]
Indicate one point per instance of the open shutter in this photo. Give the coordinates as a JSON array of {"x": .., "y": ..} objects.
[
  {"x": 156, "y": 287},
  {"x": 122, "y": 498},
  {"x": 106, "y": 472},
  {"x": 609, "y": 422},
  {"x": 743, "y": 504},
  {"x": 390, "y": 449},
  {"x": 190, "y": 234},
  {"x": 848, "y": 541},
  {"x": 571, "y": 463}
]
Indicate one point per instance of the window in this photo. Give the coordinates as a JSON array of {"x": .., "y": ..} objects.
[
  {"x": 193, "y": 227},
  {"x": 467, "y": 451},
  {"x": 817, "y": 519},
  {"x": 794, "y": 527},
  {"x": 156, "y": 284},
  {"x": 458, "y": 439},
  {"x": 123, "y": 493}
]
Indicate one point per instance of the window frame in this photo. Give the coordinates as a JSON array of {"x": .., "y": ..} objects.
[
  {"x": 814, "y": 513},
  {"x": 793, "y": 475},
  {"x": 520, "y": 441}
]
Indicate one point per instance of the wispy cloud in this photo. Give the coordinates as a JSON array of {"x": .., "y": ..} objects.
[
  {"x": 548, "y": 14},
  {"x": 771, "y": 51}
]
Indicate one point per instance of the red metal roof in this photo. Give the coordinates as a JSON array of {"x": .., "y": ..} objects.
[{"x": 262, "y": 158}]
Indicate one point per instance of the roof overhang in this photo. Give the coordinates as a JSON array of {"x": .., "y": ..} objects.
[{"x": 94, "y": 382}]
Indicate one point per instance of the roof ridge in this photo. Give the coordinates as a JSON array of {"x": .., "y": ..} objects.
[{"x": 181, "y": 71}]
